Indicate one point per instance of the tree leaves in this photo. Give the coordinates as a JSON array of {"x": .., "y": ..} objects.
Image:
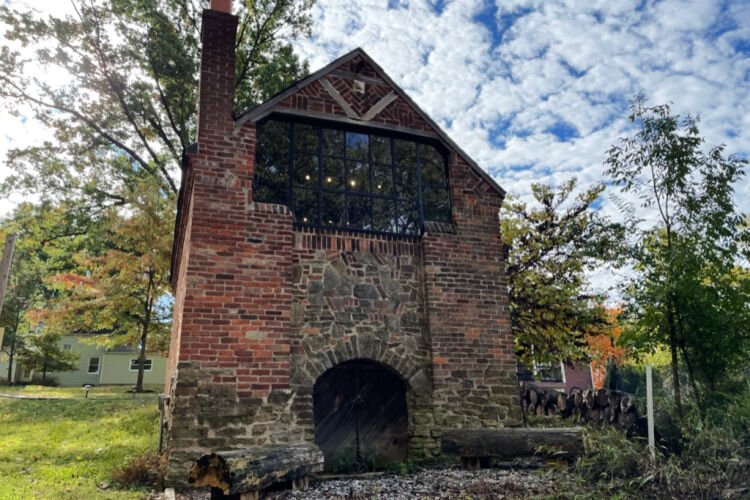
[
  {"x": 550, "y": 247},
  {"x": 689, "y": 292}
]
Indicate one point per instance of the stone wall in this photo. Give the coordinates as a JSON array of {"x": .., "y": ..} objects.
[
  {"x": 362, "y": 304},
  {"x": 262, "y": 309}
]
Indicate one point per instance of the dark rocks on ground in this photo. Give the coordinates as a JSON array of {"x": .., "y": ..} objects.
[{"x": 445, "y": 483}]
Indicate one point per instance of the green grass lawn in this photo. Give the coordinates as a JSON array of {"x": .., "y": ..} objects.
[{"x": 64, "y": 448}]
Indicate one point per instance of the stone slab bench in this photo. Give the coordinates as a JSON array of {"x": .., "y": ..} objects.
[
  {"x": 477, "y": 446},
  {"x": 244, "y": 474}
]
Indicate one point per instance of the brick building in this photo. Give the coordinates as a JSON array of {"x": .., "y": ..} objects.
[{"x": 337, "y": 270}]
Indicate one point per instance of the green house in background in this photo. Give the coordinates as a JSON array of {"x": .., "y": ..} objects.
[{"x": 97, "y": 365}]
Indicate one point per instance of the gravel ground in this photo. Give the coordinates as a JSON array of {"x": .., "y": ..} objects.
[
  {"x": 447, "y": 483},
  {"x": 435, "y": 483}
]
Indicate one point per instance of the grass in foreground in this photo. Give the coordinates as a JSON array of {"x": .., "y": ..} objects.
[{"x": 64, "y": 449}]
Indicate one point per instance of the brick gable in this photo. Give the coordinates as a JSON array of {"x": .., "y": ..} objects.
[{"x": 263, "y": 309}]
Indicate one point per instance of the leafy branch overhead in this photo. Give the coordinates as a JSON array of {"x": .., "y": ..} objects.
[
  {"x": 551, "y": 245},
  {"x": 117, "y": 84}
]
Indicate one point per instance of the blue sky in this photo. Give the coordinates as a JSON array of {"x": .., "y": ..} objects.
[{"x": 536, "y": 90}]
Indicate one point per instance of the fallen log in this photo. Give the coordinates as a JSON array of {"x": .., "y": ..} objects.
[
  {"x": 249, "y": 471},
  {"x": 476, "y": 446}
]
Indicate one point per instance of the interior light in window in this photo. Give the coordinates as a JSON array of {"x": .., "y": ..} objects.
[
  {"x": 353, "y": 183},
  {"x": 329, "y": 180},
  {"x": 307, "y": 177}
]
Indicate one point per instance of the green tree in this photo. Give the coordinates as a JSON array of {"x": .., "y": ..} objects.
[
  {"x": 686, "y": 294},
  {"x": 126, "y": 107},
  {"x": 551, "y": 246},
  {"x": 41, "y": 351},
  {"x": 122, "y": 116},
  {"x": 121, "y": 293},
  {"x": 47, "y": 237}
]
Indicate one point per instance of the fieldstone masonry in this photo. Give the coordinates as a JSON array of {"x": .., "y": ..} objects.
[{"x": 264, "y": 308}]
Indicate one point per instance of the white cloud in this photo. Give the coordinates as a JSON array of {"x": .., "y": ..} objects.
[{"x": 498, "y": 79}]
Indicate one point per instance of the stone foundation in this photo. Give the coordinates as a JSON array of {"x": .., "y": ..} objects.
[{"x": 263, "y": 308}]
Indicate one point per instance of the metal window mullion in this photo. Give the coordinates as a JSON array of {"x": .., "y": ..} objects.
[
  {"x": 370, "y": 199},
  {"x": 394, "y": 193},
  {"x": 290, "y": 171},
  {"x": 319, "y": 193},
  {"x": 346, "y": 180},
  {"x": 419, "y": 186}
]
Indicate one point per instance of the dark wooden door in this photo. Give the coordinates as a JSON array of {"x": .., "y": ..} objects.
[{"x": 360, "y": 416}]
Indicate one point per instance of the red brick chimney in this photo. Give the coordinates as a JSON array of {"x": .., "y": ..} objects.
[{"x": 216, "y": 89}]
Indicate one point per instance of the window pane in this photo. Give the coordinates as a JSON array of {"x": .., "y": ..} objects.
[
  {"x": 272, "y": 163},
  {"x": 380, "y": 148},
  {"x": 433, "y": 166},
  {"x": 146, "y": 364},
  {"x": 273, "y": 138},
  {"x": 332, "y": 209},
  {"x": 382, "y": 180},
  {"x": 356, "y": 146},
  {"x": 358, "y": 177},
  {"x": 333, "y": 173},
  {"x": 306, "y": 170},
  {"x": 436, "y": 204},
  {"x": 333, "y": 143},
  {"x": 406, "y": 154},
  {"x": 408, "y": 218},
  {"x": 93, "y": 365},
  {"x": 406, "y": 185},
  {"x": 358, "y": 212},
  {"x": 406, "y": 170},
  {"x": 305, "y": 206},
  {"x": 383, "y": 216},
  {"x": 306, "y": 138}
]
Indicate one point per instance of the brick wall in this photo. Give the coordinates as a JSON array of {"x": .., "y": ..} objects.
[
  {"x": 262, "y": 310},
  {"x": 473, "y": 361}
]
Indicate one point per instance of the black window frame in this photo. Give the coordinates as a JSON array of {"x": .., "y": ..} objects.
[
  {"x": 98, "y": 365},
  {"x": 148, "y": 364},
  {"x": 400, "y": 222}
]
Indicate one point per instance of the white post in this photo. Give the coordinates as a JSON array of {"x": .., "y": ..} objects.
[
  {"x": 650, "y": 412},
  {"x": 10, "y": 241}
]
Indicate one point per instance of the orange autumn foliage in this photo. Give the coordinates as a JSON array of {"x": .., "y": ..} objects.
[{"x": 603, "y": 347}]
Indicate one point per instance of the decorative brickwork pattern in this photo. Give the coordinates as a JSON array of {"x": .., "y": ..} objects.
[{"x": 262, "y": 309}]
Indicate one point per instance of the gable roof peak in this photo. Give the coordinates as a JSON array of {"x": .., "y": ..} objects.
[{"x": 266, "y": 108}]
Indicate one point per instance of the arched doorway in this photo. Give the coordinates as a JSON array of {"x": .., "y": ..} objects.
[{"x": 360, "y": 414}]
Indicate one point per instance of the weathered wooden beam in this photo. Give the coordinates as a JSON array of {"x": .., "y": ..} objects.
[
  {"x": 252, "y": 470},
  {"x": 474, "y": 446}
]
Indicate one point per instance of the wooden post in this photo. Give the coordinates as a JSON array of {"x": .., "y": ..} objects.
[
  {"x": 10, "y": 241},
  {"x": 650, "y": 412}
]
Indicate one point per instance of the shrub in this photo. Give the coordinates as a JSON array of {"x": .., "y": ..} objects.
[{"x": 147, "y": 469}]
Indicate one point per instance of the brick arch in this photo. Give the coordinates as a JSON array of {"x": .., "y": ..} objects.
[{"x": 363, "y": 347}]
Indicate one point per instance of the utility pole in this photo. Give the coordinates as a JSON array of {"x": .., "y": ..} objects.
[{"x": 10, "y": 242}]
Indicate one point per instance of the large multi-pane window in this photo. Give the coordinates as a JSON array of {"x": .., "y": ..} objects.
[{"x": 350, "y": 180}]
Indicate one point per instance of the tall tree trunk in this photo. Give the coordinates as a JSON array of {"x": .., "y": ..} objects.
[
  {"x": 11, "y": 357},
  {"x": 673, "y": 346},
  {"x": 148, "y": 306},
  {"x": 691, "y": 374},
  {"x": 142, "y": 359},
  {"x": 673, "y": 349},
  {"x": 12, "y": 353}
]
